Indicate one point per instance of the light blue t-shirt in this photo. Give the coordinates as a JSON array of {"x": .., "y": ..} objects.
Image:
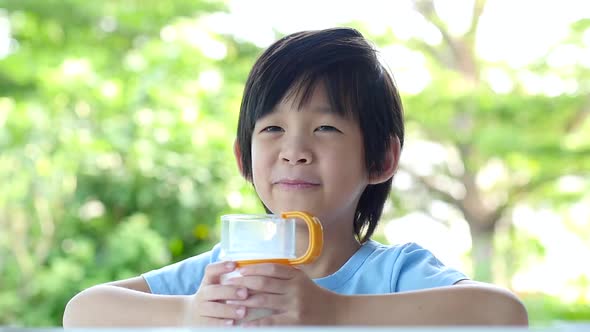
[{"x": 374, "y": 269}]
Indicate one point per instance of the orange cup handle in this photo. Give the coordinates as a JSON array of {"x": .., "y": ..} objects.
[
  {"x": 316, "y": 237},
  {"x": 314, "y": 249}
]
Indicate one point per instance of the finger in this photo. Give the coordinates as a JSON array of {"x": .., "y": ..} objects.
[
  {"x": 261, "y": 284},
  {"x": 222, "y": 310},
  {"x": 279, "y": 271},
  {"x": 284, "y": 319},
  {"x": 222, "y": 292},
  {"x": 277, "y": 303},
  {"x": 215, "y": 270},
  {"x": 208, "y": 321},
  {"x": 272, "y": 320}
]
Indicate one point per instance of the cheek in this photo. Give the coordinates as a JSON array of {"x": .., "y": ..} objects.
[
  {"x": 261, "y": 166},
  {"x": 256, "y": 169},
  {"x": 256, "y": 157},
  {"x": 348, "y": 156},
  {"x": 347, "y": 170}
]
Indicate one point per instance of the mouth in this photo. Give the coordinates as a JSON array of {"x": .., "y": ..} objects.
[{"x": 296, "y": 184}]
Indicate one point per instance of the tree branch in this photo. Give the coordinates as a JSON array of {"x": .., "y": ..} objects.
[
  {"x": 462, "y": 49},
  {"x": 478, "y": 9},
  {"x": 426, "y": 9},
  {"x": 579, "y": 117},
  {"x": 425, "y": 48},
  {"x": 429, "y": 183}
]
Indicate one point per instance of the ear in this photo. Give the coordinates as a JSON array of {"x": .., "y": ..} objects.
[
  {"x": 238, "y": 155},
  {"x": 391, "y": 162}
]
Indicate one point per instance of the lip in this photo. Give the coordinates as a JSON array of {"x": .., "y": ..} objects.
[{"x": 296, "y": 183}]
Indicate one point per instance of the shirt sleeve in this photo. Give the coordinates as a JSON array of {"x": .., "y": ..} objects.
[
  {"x": 182, "y": 278},
  {"x": 417, "y": 268}
]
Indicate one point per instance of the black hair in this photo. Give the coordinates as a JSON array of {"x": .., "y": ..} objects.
[{"x": 357, "y": 84}]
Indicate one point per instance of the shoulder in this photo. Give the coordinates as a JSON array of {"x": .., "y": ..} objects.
[
  {"x": 410, "y": 266},
  {"x": 392, "y": 251},
  {"x": 403, "y": 252},
  {"x": 416, "y": 267}
]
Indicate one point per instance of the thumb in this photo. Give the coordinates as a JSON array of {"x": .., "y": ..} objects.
[{"x": 214, "y": 271}]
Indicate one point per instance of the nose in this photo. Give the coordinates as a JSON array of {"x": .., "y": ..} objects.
[{"x": 296, "y": 152}]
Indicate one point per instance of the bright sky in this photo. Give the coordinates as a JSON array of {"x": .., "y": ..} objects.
[
  {"x": 514, "y": 33},
  {"x": 505, "y": 23}
]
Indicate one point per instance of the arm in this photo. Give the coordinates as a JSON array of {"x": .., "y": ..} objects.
[
  {"x": 467, "y": 303},
  {"x": 124, "y": 303},
  {"x": 129, "y": 303},
  {"x": 297, "y": 300}
]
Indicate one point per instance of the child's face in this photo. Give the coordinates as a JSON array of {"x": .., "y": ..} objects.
[{"x": 309, "y": 160}]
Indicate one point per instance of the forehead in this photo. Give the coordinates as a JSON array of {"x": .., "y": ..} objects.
[{"x": 314, "y": 97}]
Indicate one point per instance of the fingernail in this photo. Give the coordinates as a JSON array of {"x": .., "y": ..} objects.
[
  {"x": 229, "y": 322},
  {"x": 230, "y": 265},
  {"x": 242, "y": 293},
  {"x": 241, "y": 312}
]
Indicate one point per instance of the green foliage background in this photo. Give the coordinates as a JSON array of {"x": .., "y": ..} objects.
[
  {"x": 115, "y": 158},
  {"x": 116, "y": 145}
]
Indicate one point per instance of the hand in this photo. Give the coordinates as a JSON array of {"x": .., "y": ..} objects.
[
  {"x": 208, "y": 306},
  {"x": 294, "y": 297}
]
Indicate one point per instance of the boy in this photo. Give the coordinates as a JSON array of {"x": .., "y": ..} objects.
[{"x": 320, "y": 130}]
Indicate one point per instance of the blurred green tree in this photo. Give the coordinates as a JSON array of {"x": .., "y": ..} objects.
[
  {"x": 500, "y": 148},
  {"x": 116, "y": 133}
]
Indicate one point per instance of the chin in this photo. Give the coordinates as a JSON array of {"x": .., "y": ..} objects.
[{"x": 297, "y": 207}]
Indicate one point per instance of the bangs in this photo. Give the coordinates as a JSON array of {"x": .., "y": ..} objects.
[
  {"x": 341, "y": 59},
  {"x": 342, "y": 88},
  {"x": 341, "y": 92}
]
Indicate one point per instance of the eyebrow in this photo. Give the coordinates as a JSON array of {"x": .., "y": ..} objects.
[{"x": 328, "y": 110}]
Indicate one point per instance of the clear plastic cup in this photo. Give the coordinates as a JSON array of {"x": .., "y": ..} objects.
[
  {"x": 267, "y": 236},
  {"x": 254, "y": 239}
]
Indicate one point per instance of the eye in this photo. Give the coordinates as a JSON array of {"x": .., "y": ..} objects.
[
  {"x": 271, "y": 129},
  {"x": 327, "y": 128}
]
